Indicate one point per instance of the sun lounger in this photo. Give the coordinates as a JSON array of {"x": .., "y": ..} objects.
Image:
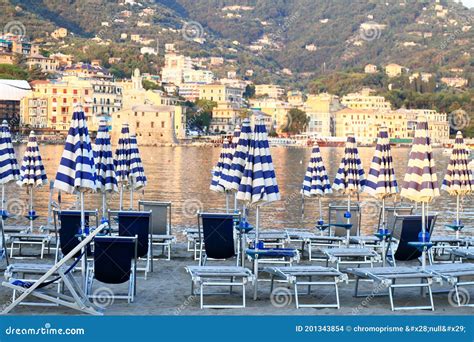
[
  {"x": 271, "y": 238},
  {"x": 17, "y": 240},
  {"x": 391, "y": 277},
  {"x": 453, "y": 275},
  {"x": 463, "y": 253},
  {"x": 441, "y": 245},
  {"x": 160, "y": 225},
  {"x": 218, "y": 276},
  {"x": 308, "y": 276},
  {"x": 351, "y": 256},
  {"x": 193, "y": 242},
  {"x": 312, "y": 240},
  {"x": 114, "y": 263},
  {"x": 76, "y": 300}
]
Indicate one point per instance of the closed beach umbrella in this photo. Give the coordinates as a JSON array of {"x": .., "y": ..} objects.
[
  {"x": 458, "y": 180},
  {"x": 138, "y": 179},
  {"x": 240, "y": 155},
  {"x": 217, "y": 170},
  {"x": 258, "y": 185},
  {"x": 216, "y": 183},
  {"x": 122, "y": 160},
  {"x": 32, "y": 173},
  {"x": 104, "y": 165},
  {"x": 76, "y": 172},
  {"x": 421, "y": 184},
  {"x": 381, "y": 182},
  {"x": 316, "y": 182},
  {"x": 225, "y": 179},
  {"x": 9, "y": 170},
  {"x": 350, "y": 177}
]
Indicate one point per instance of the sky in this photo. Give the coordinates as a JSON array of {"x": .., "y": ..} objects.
[{"x": 468, "y": 3}]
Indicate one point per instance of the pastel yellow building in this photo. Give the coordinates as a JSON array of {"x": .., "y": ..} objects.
[
  {"x": 270, "y": 90},
  {"x": 225, "y": 116},
  {"x": 320, "y": 110},
  {"x": 219, "y": 92},
  {"x": 365, "y": 100},
  {"x": 278, "y": 110},
  {"x": 394, "y": 70}
]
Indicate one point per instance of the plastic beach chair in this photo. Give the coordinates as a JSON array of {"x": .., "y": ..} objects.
[
  {"x": 114, "y": 263},
  {"x": 76, "y": 299},
  {"x": 137, "y": 223},
  {"x": 407, "y": 228},
  {"x": 161, "y": 234}
]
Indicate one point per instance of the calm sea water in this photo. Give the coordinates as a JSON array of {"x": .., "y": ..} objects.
[{"x": 182, "y": 175}]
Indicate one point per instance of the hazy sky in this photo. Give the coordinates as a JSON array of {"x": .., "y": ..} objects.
[{"x": 468, "y": 3}]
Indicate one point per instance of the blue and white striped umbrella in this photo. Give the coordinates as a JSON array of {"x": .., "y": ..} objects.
[
  {"x": 122, "y": 160},
  {"x": 258, "y": 184},
  {"x": 458, "y": 180},
  {"x": 217, "y": 170},
  {"x": 76, "y": 172},
  {"x": 104, "y": 164},
  {"x": 138, "y": 179},
  {"x": 421, "y": 183},
  {"x": 316, "y": 181},
  {"x": 350, "y": 177},
  {"x": 9, "y": 169},
  {"x": 225, "y": 179},
  {"x": 32, "y": 173},
  {"x": 381, "y": 182},
  {"x": 240, "y": 155}
]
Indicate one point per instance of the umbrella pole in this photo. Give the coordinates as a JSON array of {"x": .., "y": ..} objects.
[
  {"x": 457, "y": 216},
  {"x": 348, "y": 219},
  {"x": 235, "y": 201},
  {"x": 320, "y": 209},
  {"x": 302, "y": 206},
  {"x": 423, "y": 232},
  {"x": 131, "y": 198},
  {"x": 121, "y": 197},
  {"x": 255, "y": 261},
  {"x": 4, "y": 244},
  {"x": 104, "y": 204},
  {"x": 83, "y": 227},
  {"x": 31, "y": 208},
  {"x": 226, "y": 202}
]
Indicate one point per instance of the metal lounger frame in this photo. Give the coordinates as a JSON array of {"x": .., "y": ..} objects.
[
  {"x": 340, "y": 256},
  {"x": 291, "y": 275},
  {"x": 202, "y": 275},
  {"x": 77, "y": 300},
  {"x": 387, "y": 277}
]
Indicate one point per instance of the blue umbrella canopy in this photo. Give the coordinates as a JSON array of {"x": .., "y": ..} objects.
[
  {"x": 137, "y": 172},
  {"x": 420, "y": 183},
  {"x": 350, "y": 177},
  {"x": 32, "y": 173},
  {"x": 9, "y": 169},
  {"x": 458, "y": 180},
  {"x": 258, "y": 184},
  {"x": 225, "y": 179},
  {"x": 381, "y": 181},
  {"x": 316, "y": 181},
  {"x": 76, "y": 172},
  {"x": 123, "y": 157},
  {"x": 104, "y": 161},
  {"x": 240, "y": 155},
  {"x": 217, "y": 170}
]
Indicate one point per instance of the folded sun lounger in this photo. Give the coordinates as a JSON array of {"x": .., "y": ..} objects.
[
  {"x": 218, "y": 276},
  {"x": 351, "y": 256},
  {"x": 296, "y": 275},
  {"x": 390, "y": 277},
  {"x": 463, "y": 253}
]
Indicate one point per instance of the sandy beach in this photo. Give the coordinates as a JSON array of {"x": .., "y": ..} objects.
[{"x": 167, "y": 291}]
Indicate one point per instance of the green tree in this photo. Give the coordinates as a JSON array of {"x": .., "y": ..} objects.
[
  {"x": 249, "y": 91},
  {"x": 149, "y": 85},
  {"x": 8, "y": 71},
  {"x": 297, "y": 121}
]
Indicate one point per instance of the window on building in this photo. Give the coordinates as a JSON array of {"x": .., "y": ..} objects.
[
  {"x": 55, "y": 91},
  {"x": 74, "y": 91},
  {"x": 64, "y": 91},
  {"x": 138, "y": 124},
  {"x": 152, "y": 124},
  {"x": 162, "y": 124}
]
